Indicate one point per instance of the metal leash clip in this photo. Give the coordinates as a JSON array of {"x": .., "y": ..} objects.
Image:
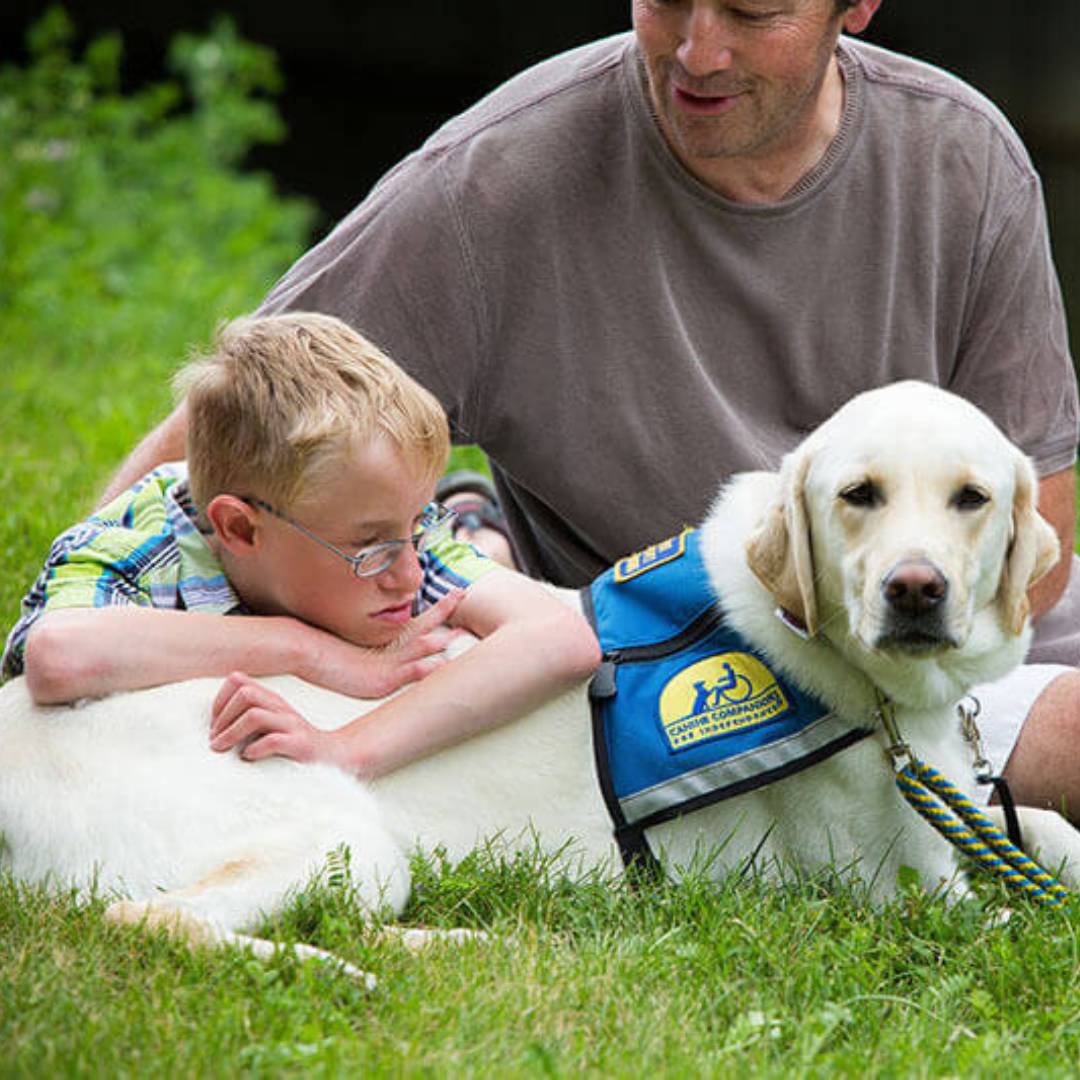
[
  {"x": 899, "y": 752},
  {"x": 984, "y": 771}
]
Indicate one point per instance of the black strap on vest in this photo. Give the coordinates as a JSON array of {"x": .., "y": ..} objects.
[{"x": 640, "y": 862}]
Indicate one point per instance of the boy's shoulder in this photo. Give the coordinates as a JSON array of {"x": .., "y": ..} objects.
[
  {"x": 153, "y": 506},
  {"x": 143, "y": 529},
  {"x": 147, "y": 494}
]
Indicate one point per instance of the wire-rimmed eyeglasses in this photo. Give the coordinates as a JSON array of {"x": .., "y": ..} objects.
[{"x": 434, "y": 526}]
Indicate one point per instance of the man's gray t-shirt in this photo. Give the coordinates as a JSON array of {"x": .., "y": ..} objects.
[{"x": 620, "y": 339}]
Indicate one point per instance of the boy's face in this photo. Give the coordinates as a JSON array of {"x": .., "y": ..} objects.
[{"x": 372, "y": 498}]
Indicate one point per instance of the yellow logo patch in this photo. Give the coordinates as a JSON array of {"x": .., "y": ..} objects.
[
  {"x": 719, "y": 695},
  {"x": 653, "y": 556}
]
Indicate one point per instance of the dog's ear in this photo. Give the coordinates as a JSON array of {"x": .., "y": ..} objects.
[
  {"x": 1033, "y": 550},
  {"x": 778, "y": 551}
]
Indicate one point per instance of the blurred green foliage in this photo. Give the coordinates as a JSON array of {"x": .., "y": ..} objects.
[
  {"x": 125, "y": 225},
  {"x": 127, "y": 232}
]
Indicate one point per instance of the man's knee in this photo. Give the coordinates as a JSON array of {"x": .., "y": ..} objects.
[{"x": 1044, "y": 766}]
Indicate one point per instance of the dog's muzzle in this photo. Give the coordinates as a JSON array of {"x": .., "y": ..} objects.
[{"x": 915, "y": 593}]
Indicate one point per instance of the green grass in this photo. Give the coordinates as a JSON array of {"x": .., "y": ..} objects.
[{"x": 676, "y": 981}]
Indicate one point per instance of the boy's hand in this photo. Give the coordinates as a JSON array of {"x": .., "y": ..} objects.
[
  {"x": 245, "y": 711},
  {"x": 373, "y": 673}
]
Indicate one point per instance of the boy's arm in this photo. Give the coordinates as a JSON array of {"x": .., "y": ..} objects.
[
  {"x": 72, "y": 653},
  {"x": 533, "y": 647}
]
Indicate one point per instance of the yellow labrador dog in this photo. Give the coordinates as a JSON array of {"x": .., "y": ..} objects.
[{"x": 902, "y": 536}]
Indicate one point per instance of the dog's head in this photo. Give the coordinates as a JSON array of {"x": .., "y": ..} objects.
[{"x": 902, "y": 520}]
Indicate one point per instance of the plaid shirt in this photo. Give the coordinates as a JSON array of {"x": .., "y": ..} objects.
[{"x": 144, "y": 548}]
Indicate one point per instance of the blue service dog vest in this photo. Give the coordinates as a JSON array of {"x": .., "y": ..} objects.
[{"x": 685, "y": 711}]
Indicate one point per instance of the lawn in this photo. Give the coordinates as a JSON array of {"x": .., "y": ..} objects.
[
  {"x": 126, "y": 233},
  {"x": 591, "y": 978}
]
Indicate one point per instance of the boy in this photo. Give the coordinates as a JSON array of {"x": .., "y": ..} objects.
[{"x": 305, "y": 506}]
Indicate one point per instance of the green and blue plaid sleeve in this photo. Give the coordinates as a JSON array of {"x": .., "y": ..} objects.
[
  {"x": 450, "y": 564},
  {"x": 131, "y": 552}
]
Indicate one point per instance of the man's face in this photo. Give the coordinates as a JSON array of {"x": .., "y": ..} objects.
[{"x": 736, "y": 78}]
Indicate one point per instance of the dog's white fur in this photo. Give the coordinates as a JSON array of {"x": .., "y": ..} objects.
[{"x": 125, "y": 794}]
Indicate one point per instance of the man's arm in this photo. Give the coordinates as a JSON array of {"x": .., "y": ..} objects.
[
  {"x": 72, "y": 653},
  {"x": 1057, "y": 503},
  {"x": 167, "y": 442}
]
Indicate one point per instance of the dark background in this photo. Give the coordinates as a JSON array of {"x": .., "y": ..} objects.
[{"x": 366, "y": 82}]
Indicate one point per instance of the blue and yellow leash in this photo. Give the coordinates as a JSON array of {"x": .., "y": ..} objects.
[{"x": 957, "y": 818}]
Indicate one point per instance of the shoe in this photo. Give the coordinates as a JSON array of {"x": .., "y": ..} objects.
[{"x": 477, "y": 506}]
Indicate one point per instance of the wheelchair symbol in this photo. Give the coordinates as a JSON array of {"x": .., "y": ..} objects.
[{"x": 731, "y": 688}]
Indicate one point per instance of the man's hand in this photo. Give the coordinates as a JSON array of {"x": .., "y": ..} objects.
[
  {"x": 373, "y": 673},
  {"x": 245, "y": 711}
]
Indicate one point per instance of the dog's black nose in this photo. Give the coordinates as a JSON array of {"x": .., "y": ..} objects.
[{"x": 914, "y": 588}]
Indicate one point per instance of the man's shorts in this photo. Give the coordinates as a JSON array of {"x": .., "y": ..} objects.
[{"x": 1004, "y": 706}]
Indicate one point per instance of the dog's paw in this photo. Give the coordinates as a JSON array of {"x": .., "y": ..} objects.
[
  {"x": 174, "y": 920},
  {"x": 197, "y": 930}
]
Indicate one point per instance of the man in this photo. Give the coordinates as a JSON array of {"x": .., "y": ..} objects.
[{"x": 662, "y": 258}]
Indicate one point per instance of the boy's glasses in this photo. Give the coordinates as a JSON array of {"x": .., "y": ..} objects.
[{"x": 434, "y": 526}]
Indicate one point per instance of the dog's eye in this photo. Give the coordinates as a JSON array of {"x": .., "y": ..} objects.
[
  {"x": 865, "y": 495},
  {"x": 969, "y": 497}
]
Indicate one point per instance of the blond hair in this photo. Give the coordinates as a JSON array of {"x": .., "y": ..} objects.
[{"x": 284, "y": 400}]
